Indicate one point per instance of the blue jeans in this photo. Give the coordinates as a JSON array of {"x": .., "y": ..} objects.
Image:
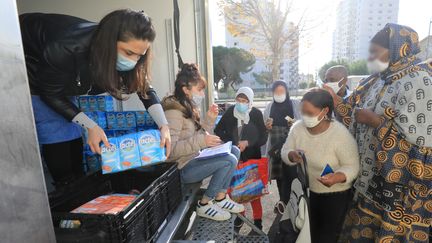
[{"x": 220, "y": 168}]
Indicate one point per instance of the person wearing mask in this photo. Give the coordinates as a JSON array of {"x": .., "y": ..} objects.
[
  {"x": 336, "y": 78},
  {"x": 390, "y": 115},
  {"x": 189, "y": 135},
  {"x": 67, "y": 56},
  {"x": 243, "y": 124},
  {"x": 275, "y": 117},
  {"x": 323, "y": 141}
]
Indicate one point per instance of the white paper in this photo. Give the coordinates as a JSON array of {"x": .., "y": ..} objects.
[{"x": 215, "y": 151}]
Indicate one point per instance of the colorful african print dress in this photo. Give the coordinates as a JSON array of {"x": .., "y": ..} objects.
[{"x": 394, "y": 187}]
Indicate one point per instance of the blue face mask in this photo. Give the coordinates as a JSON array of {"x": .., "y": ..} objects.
[
  {"x": 241, "y": 107},
  {"x": 124, "y": 64}
]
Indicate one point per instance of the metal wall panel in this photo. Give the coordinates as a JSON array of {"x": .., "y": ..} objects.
[{"x": 24, "y": 211}]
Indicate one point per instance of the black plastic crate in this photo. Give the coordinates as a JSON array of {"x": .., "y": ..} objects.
[{"x": 139, "y": 222}]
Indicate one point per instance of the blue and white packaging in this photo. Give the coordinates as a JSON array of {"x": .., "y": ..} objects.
[
  {"x": 98, "y": 117},
  {"x": 111, "y": 157},
  {"x": 130, "y": 119},
  {"x": 140, "y": 118},
  {"x": 129, "y": 152},
  {"x": 149, "y": 147},
  {"x": 150, "y": 123},
  {"x": 92, "y": 161},
  {"x": 83, "y": 103},
  {"x": 92, "y": 103},
  {"x": 119, "y": 133},
  {"x": 111, "y": 120},
  {"x": 105, "y": 103}
]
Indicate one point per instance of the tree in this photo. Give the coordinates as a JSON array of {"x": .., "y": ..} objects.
[
  {"x": 312, "y": 84},
  {"x": 353, "y": 68},
  {"x": 264, "y": 78},
  {"x": 229, "y": 63},
  {"x": 263, "y": 24},
  {"x": 303, "y": 85}
]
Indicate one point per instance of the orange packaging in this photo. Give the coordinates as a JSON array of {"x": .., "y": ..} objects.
[{"x": 107, "y": 204}]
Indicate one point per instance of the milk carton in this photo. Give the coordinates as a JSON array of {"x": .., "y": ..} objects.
[
  {"x": 111, "y": 157},
  {"x": 92, "y": 103},
  {"x": 105, "y": 103},
  {"x": 129, "y": 152},
  {"x": 130, "y": 119},
  {"x": 98, "y": 117},
  {"x": 149, "y": 147},
  {"x": 120, "y": 120},
  {"x": 83, "y": 103},
  {"x": 92, "y": 161},
  {"x": 111, "y": 120},
  {"x": 140, "y": 118},
  {"x": 150, "y": 123}
]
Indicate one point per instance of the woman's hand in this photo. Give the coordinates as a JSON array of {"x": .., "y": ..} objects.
[
  {"x": 95, "y": 136},
  {"x": 242, "y": 145},
  {"x": 213, "y": 111},
  {"x": 269, "y": 124},
  {"x": 295, "y": 156},
  {"x": 368, "y": 117},
  {"x": 165, "y": 139},
  {"x": 212, "y": 140},
  {"x": 333, "y": 178}
]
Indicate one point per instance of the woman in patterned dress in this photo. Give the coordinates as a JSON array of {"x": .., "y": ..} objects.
[{"x": 390, "y": 115}]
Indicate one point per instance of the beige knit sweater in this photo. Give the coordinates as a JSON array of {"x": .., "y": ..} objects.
[
  {"x": 336, "y": 147},
  {"x": 186, "y": 141}
]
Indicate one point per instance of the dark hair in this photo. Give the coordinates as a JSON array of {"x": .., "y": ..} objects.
[
  {"x": 120, "y": 25},
  {"x": 320, "y": 98},
  {"x": 188, "y": 76}
]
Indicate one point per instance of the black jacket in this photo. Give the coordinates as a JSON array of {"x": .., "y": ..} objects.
[
  {"x": 254, "y": 132},
  {"x": 56, "y": 49}
]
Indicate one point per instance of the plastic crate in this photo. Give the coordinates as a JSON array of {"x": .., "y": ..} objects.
[{"x": 141, "y": 221}]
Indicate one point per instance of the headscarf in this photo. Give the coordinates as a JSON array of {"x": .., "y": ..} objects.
[
  {"x": 244, "y": 117},
  {"x": 279, "y": 111}
]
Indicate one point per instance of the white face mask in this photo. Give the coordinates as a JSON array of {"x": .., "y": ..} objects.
[
  {"x": 377, "y": 66},
  {"x": 279, "y": 98},
  {"x": 312, "y": 121},
  {"x": 335, "y": 86},
  {"x": 197, "y": 99}
]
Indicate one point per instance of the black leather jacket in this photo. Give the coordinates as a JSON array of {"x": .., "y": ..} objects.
[{"x": 56, "y": 51}]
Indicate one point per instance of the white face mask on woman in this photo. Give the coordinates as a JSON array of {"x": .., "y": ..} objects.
[
  {"x": 312, "y": 121},
  {"x": 197, "y": 99},
  {"x": 377, "y": 66},
  {"x": 279, "y": 98}
]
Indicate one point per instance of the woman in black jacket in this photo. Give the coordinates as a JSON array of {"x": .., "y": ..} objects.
[
  {"x": 244, "y": 126},
  {"x": 68, "y": 56}
]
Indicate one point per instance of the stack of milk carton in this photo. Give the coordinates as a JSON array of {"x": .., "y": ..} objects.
[{"x": 135, "y": 142}]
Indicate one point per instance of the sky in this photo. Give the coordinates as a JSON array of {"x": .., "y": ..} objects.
[{"x": 316, "y": 43}]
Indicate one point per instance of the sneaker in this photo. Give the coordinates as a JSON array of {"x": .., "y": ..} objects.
[
  {"x": 229, "y": 205},
  {"x": 212, "y": 211}
]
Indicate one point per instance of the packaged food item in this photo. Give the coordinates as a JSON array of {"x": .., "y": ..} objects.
[
  {"x": 120, "y": 120},
  {"x": 110, "y": 133},
  {"x": 83, "y": 103},
  {"x": 119, "y": 133},
  {"x": 149, "y": 147},
  {"x": 98, "y": 117},
  {"x": 107, "y": 204},
  {"x": 111, "y": 157},
  {"x": 92, "y": 103},
  {"x": 111, "y": 120},
  {"x": 129, "y": 152},
  {"x": 150, "y": 123},
  {"x": 130, "y": 119},
  {"x": 105, "y": 103},
  {"x": 70, "y": 224},
  {"x": 140, "y": 118},
  {"x": 92, "y": 160}
]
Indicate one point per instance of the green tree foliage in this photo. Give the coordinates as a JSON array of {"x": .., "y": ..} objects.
[
  {"x": 229, "y": 63},
  {"x": 303, "y": 85},
  {"x": 354, "y": 68},
  {"x": 264, "y": 78}
]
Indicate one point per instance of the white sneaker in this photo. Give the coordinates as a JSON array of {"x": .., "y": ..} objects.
[
  {"x": 229, "y": 205},
  {"x": 212, "y": 211}
]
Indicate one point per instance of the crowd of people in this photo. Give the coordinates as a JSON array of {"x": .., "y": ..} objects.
[{"x": 376, "y": 138}]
